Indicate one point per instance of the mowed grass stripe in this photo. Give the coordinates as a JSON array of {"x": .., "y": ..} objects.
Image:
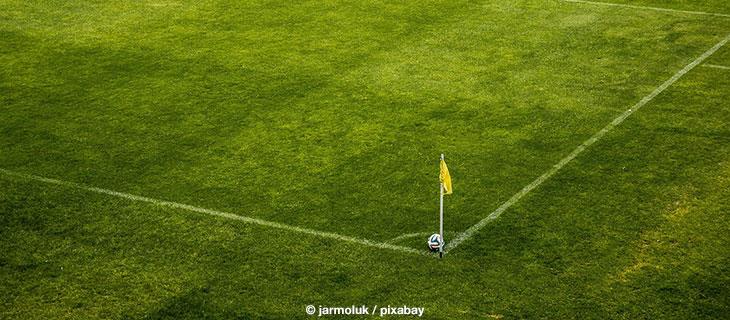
[
  {"x": 211, "y": 212},
  {"x": 609, "y": 4},
  {"x": 600, "y": 134}
]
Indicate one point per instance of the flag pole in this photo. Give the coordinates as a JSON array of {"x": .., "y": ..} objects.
[{"x": 441, "y": 217}]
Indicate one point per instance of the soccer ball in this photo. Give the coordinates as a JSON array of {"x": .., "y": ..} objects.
[{"x": 435, "y": 242}]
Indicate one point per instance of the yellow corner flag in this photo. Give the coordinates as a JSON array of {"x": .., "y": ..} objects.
[{"x": 445, "y": 178}]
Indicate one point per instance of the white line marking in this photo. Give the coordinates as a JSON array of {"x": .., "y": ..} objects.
[
  {"x": 417, "y": 234},
  {"x": 649, "y": 8},
  {"x": 555, "y": 168},
  {"x": 407, "y": 235},
  {"x": 226, "y": 215},
  {"x": 715, "y": 66}
]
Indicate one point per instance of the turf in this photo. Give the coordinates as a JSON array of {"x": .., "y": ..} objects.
[{"x": 330, "y": 115}]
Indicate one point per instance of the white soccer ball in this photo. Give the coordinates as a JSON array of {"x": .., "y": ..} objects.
[{"x": 435, "y": 242}]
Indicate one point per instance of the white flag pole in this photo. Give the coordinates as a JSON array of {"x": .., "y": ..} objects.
[{"x": 441, "y": 215}]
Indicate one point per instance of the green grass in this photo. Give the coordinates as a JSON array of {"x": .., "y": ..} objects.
[{"x": 330, "y": 115}]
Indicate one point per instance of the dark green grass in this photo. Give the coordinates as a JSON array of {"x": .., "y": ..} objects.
[{"x": 331, "y": 116}]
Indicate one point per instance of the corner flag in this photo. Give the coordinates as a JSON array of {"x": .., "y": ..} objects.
[
  {"x": 445, "y": 186},
  {"x": 445, "y": 178}
]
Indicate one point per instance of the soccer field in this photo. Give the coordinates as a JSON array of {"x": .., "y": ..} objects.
[{"x": 247, "y": 159}]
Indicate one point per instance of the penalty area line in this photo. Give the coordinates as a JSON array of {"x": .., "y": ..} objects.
[
  {"x": 226, "y": 215},
  {"x": 610, "y": 4},
  {"x": 578, "y": 150}
]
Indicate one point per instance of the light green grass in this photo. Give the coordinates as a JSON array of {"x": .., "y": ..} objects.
[{"x": 331, "y": 116}]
